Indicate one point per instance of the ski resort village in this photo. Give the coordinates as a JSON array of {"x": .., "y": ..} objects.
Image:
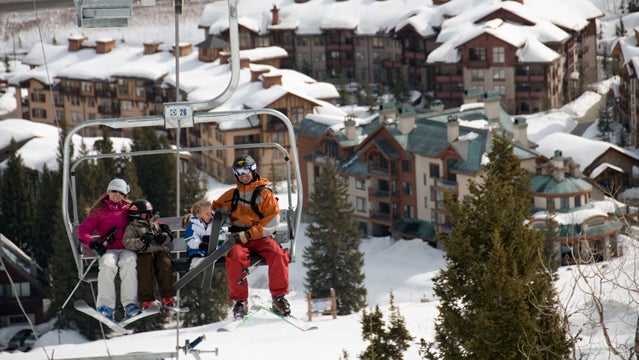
[{"x": 306, "y": 179}]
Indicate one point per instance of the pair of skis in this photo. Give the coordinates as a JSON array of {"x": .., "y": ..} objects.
[
  {"x": 119, "y": 328},
  {"x": 257, "y": 308}
]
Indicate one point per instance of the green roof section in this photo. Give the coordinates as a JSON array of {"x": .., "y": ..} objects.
[{"x": 548, "y": 185}]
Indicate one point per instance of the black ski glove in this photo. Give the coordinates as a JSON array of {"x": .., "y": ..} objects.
[
  {"x": 99, "y": 248},
  {"x": 147, "y": 238},
  {"x": 204, "y": 246},
  {"x": 159, "y": 238},
  {"x": 167, "y": 230}
]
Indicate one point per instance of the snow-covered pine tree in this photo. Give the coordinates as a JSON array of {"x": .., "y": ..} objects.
[
  {"x": 497, "y": 299},
  {"x": 333, "y": 258}
]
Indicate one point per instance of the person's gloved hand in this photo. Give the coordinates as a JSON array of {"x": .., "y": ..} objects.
[
  {"x": 204, "y": 246},
  {"x": 167, "y": 230},
  {"x": 147, "y": 238},
  {"x": 242, "y": 236},
  {"x": 159, "y": 238},
  {"x": 99, "y": 248}
]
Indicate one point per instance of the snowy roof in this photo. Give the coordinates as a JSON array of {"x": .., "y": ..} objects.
[
  {"x": 201, "y": 80},
  {"x": 573, "y": 146},
  {"x": 365, "y": 17},
  {"x": 42, "y": 140},
  {"x": 529, "y": 39}
]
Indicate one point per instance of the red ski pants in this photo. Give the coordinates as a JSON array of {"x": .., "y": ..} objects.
[{"x": 238, "y": 259}]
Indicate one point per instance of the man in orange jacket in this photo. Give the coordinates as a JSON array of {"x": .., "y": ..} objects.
[{"x": 253, "y": 233}]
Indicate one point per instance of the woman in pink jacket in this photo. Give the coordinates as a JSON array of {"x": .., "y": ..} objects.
[{"x": 109, "y": 211}]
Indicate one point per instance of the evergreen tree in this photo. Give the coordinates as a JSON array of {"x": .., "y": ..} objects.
[
  {"x": 18, "y": 201},
  {"x": 207, "y": 306},
  {"x": 333, "y": 258},
  {"x": 193, "y": 186},
  {"x": 47, "y": 198},
  {"x": 385, "y": 342},
  {"x": 497, "y": 299},
  {"x": 156, "y": 173}
]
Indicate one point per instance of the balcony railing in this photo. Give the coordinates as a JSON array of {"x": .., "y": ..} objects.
[{"x": 383, "y": 194}]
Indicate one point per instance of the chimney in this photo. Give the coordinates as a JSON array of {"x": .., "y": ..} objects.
[
  {"x": 270, "y": 79},
  {"x": 104, "y": 46},
  {"x": 185, "y": 49},
  {"x": 520, "y": 131},
  {"x": 452, "y": 128},
  {"x": 406, "y": 120},
  {"x": 245, "y": 63},
  {"x": 75, "y": 43},
  {"x": 558, "y": 166},
  {"x": 492, "y": 106},
  {"x": 151, "y": 47},
  {"x": 387, "y": 112},
  {"x": 349, "y": 127},
  {"x": 256, "y": 73},
  {"x": 472, "y": 95},
  {"x": 275, "y": 17}
]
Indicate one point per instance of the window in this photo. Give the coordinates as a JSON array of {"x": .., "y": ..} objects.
[
  {"x": 7, "y": 290},
  {"x": 277, "y": 154},
  {"x": 477, "y": 54},
  {"x": 139, "y": 91},
  {"x": 499, "y": 55},
  {"x": 263, "y": 41},
  {"x": 278, "y": 137},
  {"x": 360, "y": 184},
  {"x": 76, "y": 116},
  {"x": 499, "y": 74},
  {"x": 425, "y": 202},
  {"x": 408, "y": 211},
  {"x": 378, "y": 42},
  {"x": 477, "y": 75},
  {"x": 407, "y": 188},
  {"x": 405, "y": 165},
  {"x": 434, "y": 171},
  {"x": 577, "y": 201},
  {"x": 297, "y": 115},
  {"x": 86, "y": 86},
  {"x": 360, "y": 204},
  {"x": 126, "y": 105},
  {"x": 501, "y": 89},
  {"x": 141, "y": 106},
  {"x": 245, "y": 40},
  {"x": 39, "y": 113},
  {"x": 75, "y": 100},
  {"x": 90, "y": 102},
  {"x": 565, "y": 203},
  {"x": 37, "y": 97},
  {"x": 344, "y": 180},
  {"x": 331, "y": 148}
]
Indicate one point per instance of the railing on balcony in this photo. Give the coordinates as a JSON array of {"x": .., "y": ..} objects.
[
  {"x": 445, "y": 184},
  {"x": 383, "y": 194},
  {"x": 380, "y": 217}
]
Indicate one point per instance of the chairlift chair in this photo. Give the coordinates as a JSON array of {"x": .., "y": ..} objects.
[{"x": 290, "y": 217}]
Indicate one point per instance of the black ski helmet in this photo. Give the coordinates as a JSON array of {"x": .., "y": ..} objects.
[
  {"x": 139, "y": 207},
  {"x": 244, "y": 162}
]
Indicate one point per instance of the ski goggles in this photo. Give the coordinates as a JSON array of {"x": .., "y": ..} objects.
[{"x": 242, "y": 171}]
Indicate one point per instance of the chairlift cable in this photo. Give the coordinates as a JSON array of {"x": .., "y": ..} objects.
[{"x": 46, "y": 65}]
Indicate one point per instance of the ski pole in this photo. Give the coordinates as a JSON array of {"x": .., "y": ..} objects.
[{"x": 247, "y": 271}]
